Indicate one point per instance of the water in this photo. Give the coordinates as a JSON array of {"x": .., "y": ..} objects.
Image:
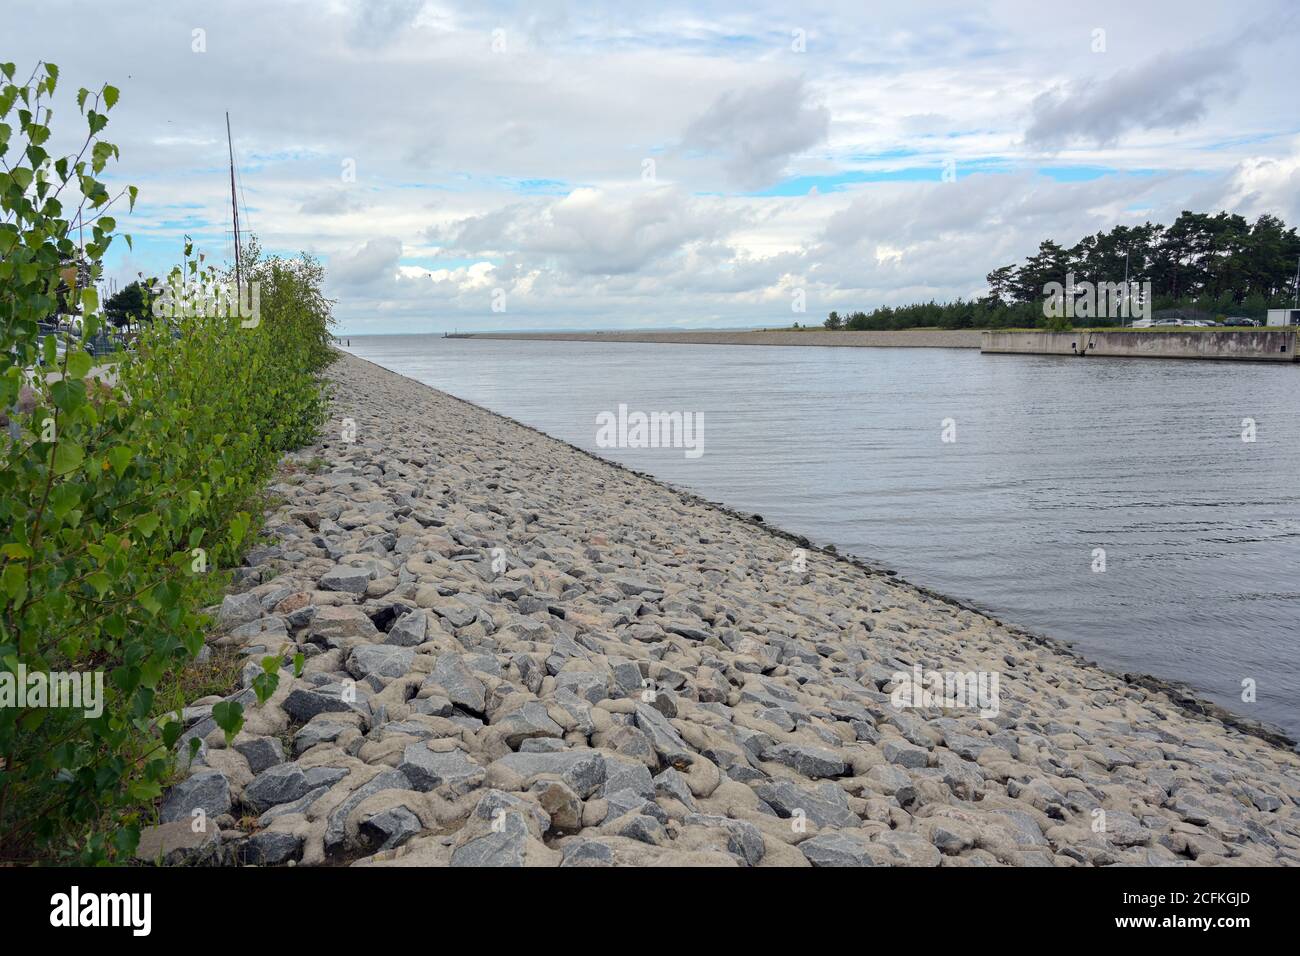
[{"x": 1053, "y": 458}]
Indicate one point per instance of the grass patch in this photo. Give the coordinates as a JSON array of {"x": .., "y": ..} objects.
[{"x": 218, "y": 675}]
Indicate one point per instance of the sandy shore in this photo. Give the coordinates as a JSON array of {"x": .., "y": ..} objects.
[
  {"x": 517, "y": 654},
  {"x": 912, "y": 338}
]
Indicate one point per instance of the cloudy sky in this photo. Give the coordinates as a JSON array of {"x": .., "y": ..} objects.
[{"x": 601, "y": 165}]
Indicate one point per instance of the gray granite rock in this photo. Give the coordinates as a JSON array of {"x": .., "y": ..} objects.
[
  {"x": 812, "y": 762},
  {"x": 206, "y": 790},
  {"x": 743, "y": 839},
  {"x": 526, "y": 721},
  {"x": 279, "y": 784},
  {"x": 503, "y": 847},
  {"x": 837, "y": 849},
  {"x": 428, "y": 770},
  {"x": 903, "y": 753},
  {"x": 272, "y": 848},
  {"x": 584, "y": 771},
  {"x": 825, "y": 804},
  {"x": 460, "y": 686},
  {"x": 237, "y": 609},
  {"x": 260, "y": 752},
  {"x": 381, "y": 660},
  {"x": 335, "y": 827},
  {"x": 349, "y": 580},
  {"x": 409, "y": 630},
  {"x": 391, "y": 828}
]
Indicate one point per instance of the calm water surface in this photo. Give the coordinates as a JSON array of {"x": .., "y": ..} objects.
[{"x": 1053, "y": 458}]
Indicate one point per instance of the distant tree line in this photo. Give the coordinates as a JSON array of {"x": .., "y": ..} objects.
[
  {"x": 128, "y": 306},
  {"x": 1220, "y": 264}
]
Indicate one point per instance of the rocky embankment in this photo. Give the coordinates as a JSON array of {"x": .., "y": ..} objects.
[{"x": 516, "y": 654}]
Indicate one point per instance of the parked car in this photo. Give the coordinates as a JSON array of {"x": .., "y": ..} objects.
[
  {"x": 1166, "y": 323},
  {"x": 1240, "y": 320}
]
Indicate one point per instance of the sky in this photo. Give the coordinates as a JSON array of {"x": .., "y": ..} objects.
[{"x": 552, "y": 165}]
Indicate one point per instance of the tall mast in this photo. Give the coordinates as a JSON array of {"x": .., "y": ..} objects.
[{"x": 234, "y": 205}]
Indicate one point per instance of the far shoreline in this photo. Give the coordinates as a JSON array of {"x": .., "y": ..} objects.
[{"x": 904, "y": 338}]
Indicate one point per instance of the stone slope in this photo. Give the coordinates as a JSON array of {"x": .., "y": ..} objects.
[{"x": 519, "y": 655}]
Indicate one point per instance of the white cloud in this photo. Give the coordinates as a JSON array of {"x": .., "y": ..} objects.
[
  {"x": 379, "y": 22},
  {"x": 375, "y": 260},
  {"x": 757, "y": 130},
  {"x": 336, "y": 201},
  {"x": 593, "y": 232},
  {"x": 1168, "y": 92},
  {"x": 1265, "y": 185}
]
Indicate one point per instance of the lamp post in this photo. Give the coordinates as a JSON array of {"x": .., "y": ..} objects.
[{"x": 1128, "y": 295}]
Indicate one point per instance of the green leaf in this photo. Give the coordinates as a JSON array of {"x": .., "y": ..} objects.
[
  {"x": 100, "y": 581},
  {"x": 229, "y": 716},
  {"x": 67, "y": 457},
  {"x": 68, "y": 394},
  {"x": 150, "y": 603},
  {"x": 79, "y": 364},
  {"x": 238, "y": 528},
  {"x": 145, "y": 790},
  {"x": 110, "y": 97},
  {"x": 120, "y": 457},
  {"x": 264, "y": 686},
  {"x": 63, "y": 498},
  {"x": 127, "y": 678},
  {"x": 126, "y": 840},
  {"x": 14, "y": 581},
  {"x": 152, "y": 670}
]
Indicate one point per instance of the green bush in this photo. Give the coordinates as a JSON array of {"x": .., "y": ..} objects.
[{"x": 120, "y": 504}]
